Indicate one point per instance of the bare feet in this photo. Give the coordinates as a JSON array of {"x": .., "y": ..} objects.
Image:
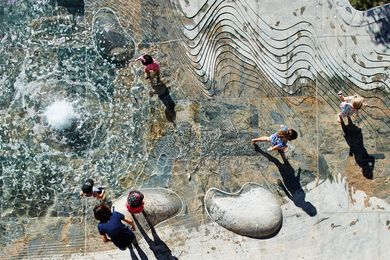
[
  {"x": 283, "y": 150},
  {"x": 339, "y": 119}
]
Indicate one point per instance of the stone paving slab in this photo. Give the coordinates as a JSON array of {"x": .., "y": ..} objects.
[{"x": 235, "y": 70}]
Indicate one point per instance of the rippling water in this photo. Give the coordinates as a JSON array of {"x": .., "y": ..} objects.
[{"x": 46, "y": 56}]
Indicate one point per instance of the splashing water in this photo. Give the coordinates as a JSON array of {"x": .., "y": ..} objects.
[{"x": 60, "y": 115}]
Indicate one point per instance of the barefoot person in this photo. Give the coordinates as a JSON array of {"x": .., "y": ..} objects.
[
  {"x": 279, "y": 139},
  {"x": 350, "y": 105},
  {"x": 152, "y": 68}
]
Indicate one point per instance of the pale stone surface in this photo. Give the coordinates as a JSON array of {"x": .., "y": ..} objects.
[
  {"x": 236, "y": 70},
  {"x": 329, "y": 235},
  {"x": 252, "y": 211},
  {"x": 160, "y": 205}
]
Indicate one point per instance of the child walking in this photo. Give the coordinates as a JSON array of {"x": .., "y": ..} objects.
[
  {"x": 152, "y": 68},
  {"x": 89, "y": 190},
  {"x": 279, "y": 139},
  {"x": 350, "y": 105}
]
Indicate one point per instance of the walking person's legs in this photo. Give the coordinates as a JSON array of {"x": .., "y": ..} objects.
[
  {"x": 135, "y": 242},
  {"x": 260, "y": 139},
  {"x": 154, "y": 77},
  {"x": 132, "y": 253},
  {"x": 141, "y": 253}
]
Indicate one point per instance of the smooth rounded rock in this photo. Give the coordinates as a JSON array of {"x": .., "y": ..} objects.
[
  {"x": 111, "y": 41},
  {"x": 253, "y": 211},
  {"x": 160, "y": 204}
]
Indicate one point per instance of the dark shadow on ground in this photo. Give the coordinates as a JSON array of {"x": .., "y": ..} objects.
[
  {"x": 73, "y": 6},
  {"x": 380, "y": 29},
  {"x": 162, "y": 91},
  {"x": 291, "y": 184},
  {"x": 354, "y": 138},
  {"x": 142, "y": 255},
  {"x": 160, "y": 250}
]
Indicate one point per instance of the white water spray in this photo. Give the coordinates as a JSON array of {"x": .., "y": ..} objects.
[{"x": 60, "y": 115}]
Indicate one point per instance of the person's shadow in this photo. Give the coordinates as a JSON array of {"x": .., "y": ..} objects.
[
  {"x": 354, "y": 138},
  {"x": 142, "y": 255},
  {"x": 160, "y": 250},
  {"x": 291, "y": 184},
  {"x": 162, "y": 91}
]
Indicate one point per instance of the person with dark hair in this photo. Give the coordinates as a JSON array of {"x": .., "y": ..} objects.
[
  {"x": 113, "y": 230},
  {"x": 279, "y": 139},
  {"x": 89, "y": 190},
  {"x": 152, "y": 68},
  {"x": 135, "y": 202}
]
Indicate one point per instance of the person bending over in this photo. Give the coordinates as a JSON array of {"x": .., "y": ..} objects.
[
  {"x": 113, "y": 230},
  {"x": 88, "y": 190},
  {"x": 279, "y": 139}
]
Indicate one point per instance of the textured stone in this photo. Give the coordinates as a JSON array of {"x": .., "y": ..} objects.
[
  {"x": 236, "y": 70},
  {"x": 160, "y": 204},
  {"x": 111, "y": 41},
  {"x": 253, "y": 211}
]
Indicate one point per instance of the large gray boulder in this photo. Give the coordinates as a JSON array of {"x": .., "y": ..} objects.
[
  {"x": 160, "y": 204},
  {"x": 111, "y": 40},
  {"x": 253, "y": 211}
]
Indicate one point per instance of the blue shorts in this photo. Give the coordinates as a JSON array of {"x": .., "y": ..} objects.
[
  {"x": 346, "y": 109},
  {"x": 277, "y": 141}
]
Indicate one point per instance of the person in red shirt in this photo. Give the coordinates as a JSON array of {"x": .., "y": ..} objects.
[
  {"x": 152, "y": 68},
  {"x": 135, "y": 203}
]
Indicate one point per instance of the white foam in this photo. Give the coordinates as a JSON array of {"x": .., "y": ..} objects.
[{"x": 60, "y": 115}]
